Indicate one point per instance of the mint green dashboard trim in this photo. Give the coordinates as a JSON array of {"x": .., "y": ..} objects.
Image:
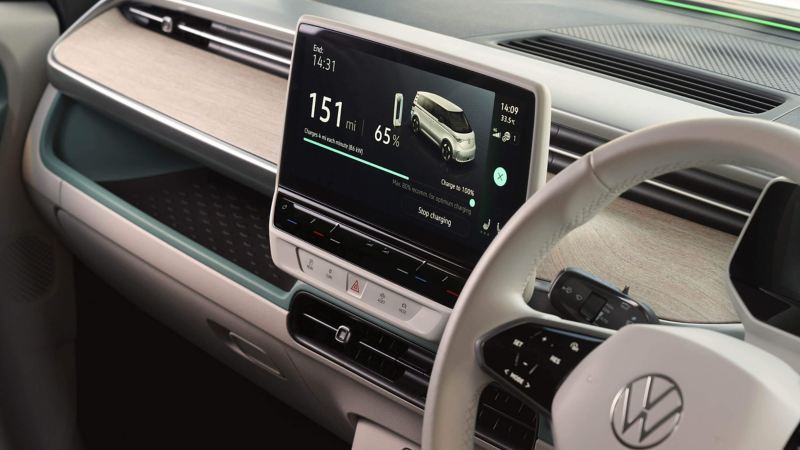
[{"x": 54, "y": 161}]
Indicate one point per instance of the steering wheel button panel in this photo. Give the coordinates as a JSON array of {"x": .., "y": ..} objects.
[{"x": 534, "y": 359}]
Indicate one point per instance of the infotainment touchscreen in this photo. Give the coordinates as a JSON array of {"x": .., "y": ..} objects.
[{"x": 430, "y": 153}]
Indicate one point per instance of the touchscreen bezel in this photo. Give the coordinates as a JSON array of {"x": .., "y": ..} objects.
[{"x": 541, "y": 121}]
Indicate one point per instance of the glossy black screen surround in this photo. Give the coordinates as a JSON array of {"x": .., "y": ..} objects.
[{"x": 397, "y": 180}]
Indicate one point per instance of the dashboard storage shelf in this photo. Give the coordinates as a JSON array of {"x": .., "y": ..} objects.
[{"x": 213, "y": 211}]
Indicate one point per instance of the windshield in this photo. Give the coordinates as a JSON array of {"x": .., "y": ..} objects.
[
  {"x": 457, "y": 122},
  {"x": 780, "y": 10}
]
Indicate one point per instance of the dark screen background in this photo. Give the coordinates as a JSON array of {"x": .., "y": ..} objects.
[{"x": 366, "y": 78}]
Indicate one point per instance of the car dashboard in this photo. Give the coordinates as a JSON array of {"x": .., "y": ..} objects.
[{"x": 177, "y": 157}]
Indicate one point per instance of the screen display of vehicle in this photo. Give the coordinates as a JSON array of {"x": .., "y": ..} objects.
[{"x": 428, "y": 152}]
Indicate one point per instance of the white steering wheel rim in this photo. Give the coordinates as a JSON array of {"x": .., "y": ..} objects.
[{"x": 493, "y": 294}]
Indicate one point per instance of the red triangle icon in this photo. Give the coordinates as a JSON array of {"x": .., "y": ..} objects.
[{"x": 355, "y": 287}]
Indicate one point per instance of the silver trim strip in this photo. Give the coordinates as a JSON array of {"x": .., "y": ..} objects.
[
  {"x": 105, "y": 5},
  {"x": 164, "y": 119},
  {"x": 233, "y": 44},
  {"x": 392, "y": 358},
  {"x": 669, "y": 188},
  {"x": 194, "y": 6},
  {"x": 385, "y": 355},
  {"x": 146, "y": 14},
  {"x": 319, "y": 322}
]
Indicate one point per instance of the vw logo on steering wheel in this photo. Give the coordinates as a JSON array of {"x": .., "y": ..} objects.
[{"x": 646, "y": 411}]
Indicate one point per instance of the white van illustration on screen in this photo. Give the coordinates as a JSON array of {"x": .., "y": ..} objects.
[{"x": 444, "y": 123}]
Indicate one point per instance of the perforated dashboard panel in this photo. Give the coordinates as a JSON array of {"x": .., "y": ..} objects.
[{"x": 754, "y": 61}]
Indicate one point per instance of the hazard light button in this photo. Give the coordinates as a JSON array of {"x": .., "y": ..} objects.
[{"x": 356, "y": 285}]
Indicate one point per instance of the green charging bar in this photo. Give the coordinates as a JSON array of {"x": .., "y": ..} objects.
[{"x": 355, "y": 158}]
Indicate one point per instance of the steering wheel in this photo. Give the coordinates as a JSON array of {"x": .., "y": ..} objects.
[{"x": 644, "y": 386}]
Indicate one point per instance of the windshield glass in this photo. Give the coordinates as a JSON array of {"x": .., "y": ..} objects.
[
  {"x": 457, "y": 122},
  {"x": 782, "y": 10}
]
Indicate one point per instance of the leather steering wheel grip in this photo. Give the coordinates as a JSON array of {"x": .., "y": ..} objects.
[{"x": 493, "y": 294}]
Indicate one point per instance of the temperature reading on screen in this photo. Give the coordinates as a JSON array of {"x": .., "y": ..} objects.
[{"x": 324, "y": 106}]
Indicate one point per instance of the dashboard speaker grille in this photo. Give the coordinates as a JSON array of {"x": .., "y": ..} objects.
[
  {"x": 649, "y": 72},
  {"x": 756, "y": 61}
]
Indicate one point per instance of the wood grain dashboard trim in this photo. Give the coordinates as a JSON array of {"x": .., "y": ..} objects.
[
  {"x": 232, "y": 102},
  {"x": 676, "y": 266}
]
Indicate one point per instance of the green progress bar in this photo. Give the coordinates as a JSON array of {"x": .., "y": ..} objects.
[
  {"x": 355, "y": 158},
  {"x": 729, "y": 15}
]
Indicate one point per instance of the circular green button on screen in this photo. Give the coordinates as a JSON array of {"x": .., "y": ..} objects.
[{"x": 500, "y": 176}]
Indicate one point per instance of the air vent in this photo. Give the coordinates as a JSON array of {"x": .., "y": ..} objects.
[
  {"x": 384, "y": 358},
  {"x": 648, "y": 72},
  {"x": 256, "y": 50},
  {"x": 401, "y": 367}
]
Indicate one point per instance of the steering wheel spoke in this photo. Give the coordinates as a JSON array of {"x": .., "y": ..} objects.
[{"x": 533, "y": 355}]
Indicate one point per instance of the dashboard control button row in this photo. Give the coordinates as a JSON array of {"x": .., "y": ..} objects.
[
  {"x": 580, "y": 296},
  {"x": 439, "y": 283},
  {"x": 393, "y": 264},
  {"x": 369, "y": 292},
  {"x": 534, "y": 359},
  {"x": 321, "y": 228},
  {"x": 321, "y": 270},
  {"x": 288, "y": 217},
  {"x": 387, "y": 301}
]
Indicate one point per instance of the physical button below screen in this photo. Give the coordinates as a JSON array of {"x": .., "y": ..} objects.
[
  {"x": 322, "y": 271},
  {"x": 356, "y": 285},
  {"x": 389, "y": 302}
]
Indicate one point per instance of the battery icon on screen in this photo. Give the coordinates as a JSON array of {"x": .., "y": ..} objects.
[{"x": 397, "y": 116}]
